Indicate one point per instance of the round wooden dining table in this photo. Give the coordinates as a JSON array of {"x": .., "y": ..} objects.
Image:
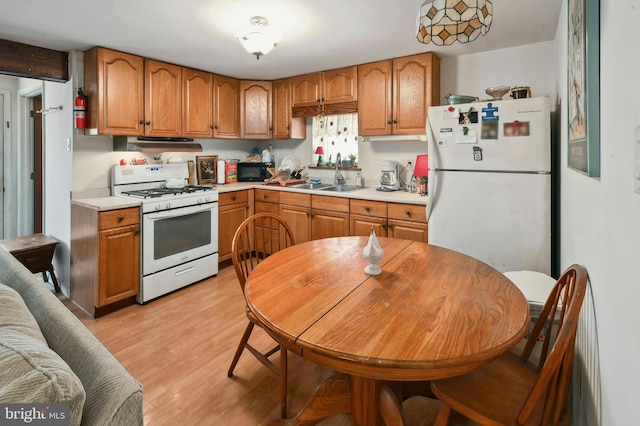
[{"x": 431, "y": 313}]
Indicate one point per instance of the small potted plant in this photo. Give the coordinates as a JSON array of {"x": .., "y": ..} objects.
[{"x": 351, "y": 161}]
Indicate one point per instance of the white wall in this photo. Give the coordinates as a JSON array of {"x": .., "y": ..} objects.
[
  {"x": 599, "y": 216},
  {"x": 531, "y": 65},
  {"x": 57, "y": 172}
]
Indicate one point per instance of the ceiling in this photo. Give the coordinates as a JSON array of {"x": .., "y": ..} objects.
[{"x": 316, "y": 35}]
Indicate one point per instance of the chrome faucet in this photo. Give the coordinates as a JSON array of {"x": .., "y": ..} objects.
[{"x": 338, "y": 178}]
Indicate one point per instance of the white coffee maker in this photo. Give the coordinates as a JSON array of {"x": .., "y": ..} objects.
[{"x": 389, "y": 176}]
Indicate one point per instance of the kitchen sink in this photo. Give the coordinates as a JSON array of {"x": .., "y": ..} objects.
[
  {"x": 340, "y": 188},
  {"x": 311, "y": 186}
]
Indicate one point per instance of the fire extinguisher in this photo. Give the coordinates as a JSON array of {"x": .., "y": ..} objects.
[{"x": 80, "y": 109}]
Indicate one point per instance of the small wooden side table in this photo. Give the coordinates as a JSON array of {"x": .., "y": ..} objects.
[{"x": 35, "y": 252}]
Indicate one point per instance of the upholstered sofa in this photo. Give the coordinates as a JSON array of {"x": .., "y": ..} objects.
[{"x": 48, "y": 356}]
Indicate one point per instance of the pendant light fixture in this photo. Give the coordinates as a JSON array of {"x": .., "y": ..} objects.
[
  {"x": 258, "y": 39},
  {"x": 442, "y": 22}
]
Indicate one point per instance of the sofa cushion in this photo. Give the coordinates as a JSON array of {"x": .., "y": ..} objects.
[
  {"x": 14, "y": 314},
  {"x": 30, "y": 372}
]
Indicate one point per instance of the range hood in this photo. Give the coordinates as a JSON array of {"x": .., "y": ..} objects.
[
  {"x": 155, "y": 144},
  {"x": 395, "y": 138}
]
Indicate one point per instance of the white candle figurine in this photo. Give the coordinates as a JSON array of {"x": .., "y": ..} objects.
[{"x": 373, "y": 253}]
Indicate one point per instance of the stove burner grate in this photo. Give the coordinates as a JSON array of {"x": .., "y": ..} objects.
[{"x": 159, "y": 192}]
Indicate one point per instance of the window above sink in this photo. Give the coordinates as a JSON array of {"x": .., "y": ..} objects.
[{"x": 336, "y": 133}]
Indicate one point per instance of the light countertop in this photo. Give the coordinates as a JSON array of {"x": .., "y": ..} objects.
[
  {"x": 106, "y": 203},
  {"x": 114, "y": 203},
  {"x": 368, "y": 193}
]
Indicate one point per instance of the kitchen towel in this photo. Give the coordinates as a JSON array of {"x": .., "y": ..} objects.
[{"x": 221, "y": 171}]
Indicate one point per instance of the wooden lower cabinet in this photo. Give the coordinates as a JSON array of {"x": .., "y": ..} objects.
[
  {"x": 295, "y": 209},
  {"x": 313, "y": 217},
  {"x": 105, "y": 258},
  {"x": 395, "y": 220},
  {"x": 329, "y": 217},
  {"x": 407, "y": 221},
  {"x": 366, "y": 214},
  {"x": 233, "y": 209}
]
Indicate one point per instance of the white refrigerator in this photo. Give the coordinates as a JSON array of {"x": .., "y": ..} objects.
[{"x": 489, "y": 183}]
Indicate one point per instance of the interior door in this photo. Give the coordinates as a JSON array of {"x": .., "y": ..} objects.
[{"x": 37, "y": 165}]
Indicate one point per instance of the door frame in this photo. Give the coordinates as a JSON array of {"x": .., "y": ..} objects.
[
  {"x": 25, "y": 159},
  {"x": 6, "y": 145}
]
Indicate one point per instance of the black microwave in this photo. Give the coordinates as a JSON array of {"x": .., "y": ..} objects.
[{"x": 253, "y": 172}]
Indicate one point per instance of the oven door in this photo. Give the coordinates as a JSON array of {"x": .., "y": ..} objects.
[{"x": 173, "y": 237}]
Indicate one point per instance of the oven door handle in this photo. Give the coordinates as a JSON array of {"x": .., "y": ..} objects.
[{"x": 181, "y": 211}]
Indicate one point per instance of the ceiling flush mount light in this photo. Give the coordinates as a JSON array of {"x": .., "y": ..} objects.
[
  {"x": 442, "y": 22},
  {"x": 258, "y": 39}
]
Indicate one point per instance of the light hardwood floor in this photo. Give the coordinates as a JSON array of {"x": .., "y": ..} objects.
[{"x": 179, "y": 347}]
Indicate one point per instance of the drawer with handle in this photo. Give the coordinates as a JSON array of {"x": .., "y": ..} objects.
[{"x": 121, "y": 217}]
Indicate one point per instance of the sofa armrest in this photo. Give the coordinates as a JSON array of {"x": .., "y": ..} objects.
[{"x": 113, "y": 396}]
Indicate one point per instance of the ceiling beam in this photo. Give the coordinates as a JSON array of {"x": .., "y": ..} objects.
[{"x": 23, "y": 60}]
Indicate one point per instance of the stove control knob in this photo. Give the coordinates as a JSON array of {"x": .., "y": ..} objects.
[
  {"x": 157, "y": 207},
  {"x": 200, "y": 201},
  {"x": 168, "y": 205},
  {"x": 210, "y": 199}
]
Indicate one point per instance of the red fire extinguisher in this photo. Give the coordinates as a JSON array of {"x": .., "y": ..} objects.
[{"x": 80, "y": 109}]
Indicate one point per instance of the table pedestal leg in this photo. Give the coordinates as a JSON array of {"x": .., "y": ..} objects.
[
  {"x": 332, "y": 396},
  {"x": 365, "y": 401}
]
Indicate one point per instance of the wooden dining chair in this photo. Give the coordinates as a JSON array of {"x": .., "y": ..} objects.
[
  {"x": 512, "y": 390},
  {"x": 257, "y": 237}
]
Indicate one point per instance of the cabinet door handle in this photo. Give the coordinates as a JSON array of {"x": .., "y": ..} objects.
[
  {"x": 266, "y": 196},
  {"x": 137, "y": 231},
  {"x": 389, "y": 226},
  {"x": 389, "y": 121},
  {"x": 215, "y": 127},
  {"x": 148, "y": 123},
  {"x": 408, "y": 213},
  {"x": 247, "y": 207},
  {"x": 367, "y": 209},
  {"x": 212, "y": 126},
  {"x": 141, "y": 122},
  {"x": 233, "y": 198},
  {"x": 120, "y": 218}
]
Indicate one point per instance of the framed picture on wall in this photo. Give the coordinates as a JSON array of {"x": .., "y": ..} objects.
[
  {"x": 583, "y": 86},
  {"x": 206, "y": 168}
]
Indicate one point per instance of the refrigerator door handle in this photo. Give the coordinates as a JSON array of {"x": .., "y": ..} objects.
[
  {"x": 431, "y": 182},
  {"x": 431, "y": 190}
]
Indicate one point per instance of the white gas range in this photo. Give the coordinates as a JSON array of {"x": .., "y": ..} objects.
[{"x": 179, "y": 226}]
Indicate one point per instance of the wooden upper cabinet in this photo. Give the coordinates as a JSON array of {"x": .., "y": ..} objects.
[
  {"x": 416, "y": 87},
  {"x": 114, "y": 84},
  {"x": 306, "y": 89},
  {"x": 197, "y": 107},
  {"x": 395, "y": 95},
  {"x": 163, "y": 99},
  {"x": 340, "y": 85},
  {"x": 284, "y": 125},
  {"x": 327, "y": 87},
  {"x": 255, "y": 109},
  {"x": 226, "y": 107},
  {"x": 375, "y": 104}
]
